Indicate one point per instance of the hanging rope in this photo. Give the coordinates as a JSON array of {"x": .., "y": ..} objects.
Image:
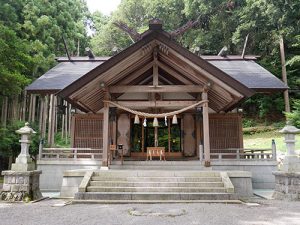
[{"x": 152, "y": 115}]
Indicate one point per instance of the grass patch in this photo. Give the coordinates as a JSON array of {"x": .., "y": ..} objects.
[
  {"x": 1, "y": 179},
  {"x": 264, "y": 140}
]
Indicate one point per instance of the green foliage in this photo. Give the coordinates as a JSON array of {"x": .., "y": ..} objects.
[
  {"x": 10, "y": 145},
  {"x": 294, "y": 116},
  {"x": 258, "y": 129},
  {"x": 249, "y": 122},
  {"x": 61, "y": 142},
  {"x": 31, "y": 35},
  {"x": 15, "y": 62},
  {"x": 221, "y": 23}
]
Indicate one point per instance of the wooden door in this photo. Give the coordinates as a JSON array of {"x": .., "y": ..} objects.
[
  {"x": 123, "y": 136},
  {"x": 189, "y": 140}
]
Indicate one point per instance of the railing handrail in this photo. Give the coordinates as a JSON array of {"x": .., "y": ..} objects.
[
  {"x": 70, "y": 153},
  {"x": 72, "y": 149},
  {"x": 240, "y": 153}
]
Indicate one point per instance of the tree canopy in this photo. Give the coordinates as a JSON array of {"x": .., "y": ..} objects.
[
  {"x": 31, "y": 34},
  {"x": 221, "y": 23},
  {"x": 32, "y": 30}
]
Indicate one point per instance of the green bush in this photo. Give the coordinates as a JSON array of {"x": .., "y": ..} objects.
[
  {"x": 256, "y": 130},
  {"x": 249, "y": 122},
  {"x": 61, "y": 142},
  {"x": 294, "y": 116},
  {"x": 10, "y": 145}
]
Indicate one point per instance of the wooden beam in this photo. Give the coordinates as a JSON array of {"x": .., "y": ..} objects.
[
  {"x": 106, "y": 141},
  {"x": 138, "y": 104},
  {"x": 131, "y": 77},
  {"x": 206, "y": 131},
  {"x": 155, "y": 67},
  {"x": 155, "y": 89},
  {"x": 174, "y": 73}
]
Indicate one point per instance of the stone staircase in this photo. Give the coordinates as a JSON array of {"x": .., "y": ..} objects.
[
  {"x": 146, "y": 186},
  {"x": 158, "y": 165}
]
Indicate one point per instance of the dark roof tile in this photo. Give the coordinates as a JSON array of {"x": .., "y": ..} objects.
[
  {"x": 61, "y": 76},
  {"x": 250, "y": 74}
]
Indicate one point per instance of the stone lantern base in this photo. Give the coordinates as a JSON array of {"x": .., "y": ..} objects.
[
  {"x": 18, "y": 185},
  {"x": 287, "y": 185}
]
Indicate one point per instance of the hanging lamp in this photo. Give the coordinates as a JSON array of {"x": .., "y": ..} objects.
[
  {"x": 145, "y": 122},
  {"x": 155, "y": 122},
  {"x": 136, "y": 119},
  {"x": 174, "y": 120}
]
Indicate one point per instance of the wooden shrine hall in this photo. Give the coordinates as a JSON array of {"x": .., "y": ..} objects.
[{"x": 155, "y": 94}]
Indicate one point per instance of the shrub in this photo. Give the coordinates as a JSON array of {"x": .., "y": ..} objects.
[
  {"x": 249, "y": 123},
  {"x": 294, "y": 116}
]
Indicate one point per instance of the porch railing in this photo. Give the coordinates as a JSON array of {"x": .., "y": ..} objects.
[
  {"x": 241, "y": 153},
  {"x": 70, "y": 153}
]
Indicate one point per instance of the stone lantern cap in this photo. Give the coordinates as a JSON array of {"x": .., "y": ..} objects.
[
  {"x": 26, "y": 130},
  {"x": 289, "y": 129}
]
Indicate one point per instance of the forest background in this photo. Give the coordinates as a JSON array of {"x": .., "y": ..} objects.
[{"x": 31, "y": 34}]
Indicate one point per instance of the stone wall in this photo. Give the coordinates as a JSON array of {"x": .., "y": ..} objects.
[
  {"x": 287, "y": 185},
  {"x": 18, "y": 185},
  {"x": 262, "y": 177},
  {"x": 53, "y": 170}
]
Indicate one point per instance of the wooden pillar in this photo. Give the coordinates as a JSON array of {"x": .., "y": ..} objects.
[
  {"x": 51, "y": 121},
  {"x": 67, "y": 116},
  {"x": 143, "y": 137},
  {"x": 33, "y": 108},
  {"x": 45, "y": 115},
  {"x": 106, "y": 141},
  {"x": 169, "y": 134},
  {"x": 41, "y": 103},
  {"x": 198, "y": 129},
  {"x": 70, "y": 119},
  {"x": 206, "y": 131},
  {"x": 30, "y": 107},
  {"x": 155, "y": 67}
]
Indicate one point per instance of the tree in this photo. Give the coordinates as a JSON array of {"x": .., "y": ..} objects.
[
  {"x": 15, "y": 62},
  {"x": 294, "y": 116}
]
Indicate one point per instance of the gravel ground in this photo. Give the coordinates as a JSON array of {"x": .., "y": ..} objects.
[{"x": 51, "y": 212}]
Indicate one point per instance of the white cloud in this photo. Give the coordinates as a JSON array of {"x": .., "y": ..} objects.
[{"x": 104, "y": 6}]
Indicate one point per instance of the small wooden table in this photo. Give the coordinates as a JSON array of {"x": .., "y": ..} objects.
[{"x": 156, "y": 152}]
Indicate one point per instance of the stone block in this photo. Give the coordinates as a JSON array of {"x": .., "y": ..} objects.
[
  {"x": 20, "y": 167},
  {"x": 15, "y": 188},
  {"x": 6, "y": 187},
  {"x": 68, "y": 192},
  {"x": 24, "y": 188},
  {"x": 20, "y": 180}
]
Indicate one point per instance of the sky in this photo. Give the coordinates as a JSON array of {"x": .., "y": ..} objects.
[{"x": 104, "y": 6}]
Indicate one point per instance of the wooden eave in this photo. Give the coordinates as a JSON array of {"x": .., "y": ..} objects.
[{"x": 87, "y": 88}]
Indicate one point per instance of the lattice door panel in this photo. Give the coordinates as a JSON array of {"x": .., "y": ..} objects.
[
  {"x": 88, "y": 131},
  {"x": 225, "y": 131}
]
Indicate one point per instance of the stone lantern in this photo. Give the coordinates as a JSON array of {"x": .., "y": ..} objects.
[
  {"x": 22, "y": 180},
  {"x": 291, "y": 161},
  {"x": 287, "y": 180},
  {"x": 23, "y": 161}
]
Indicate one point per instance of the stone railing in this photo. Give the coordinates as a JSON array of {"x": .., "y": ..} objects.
[
  {"x": 70, "y": 153},
  {"x": 241, "y": 153}
]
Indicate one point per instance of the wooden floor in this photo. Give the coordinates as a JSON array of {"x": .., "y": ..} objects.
[{"x": 170, "y": 158}]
